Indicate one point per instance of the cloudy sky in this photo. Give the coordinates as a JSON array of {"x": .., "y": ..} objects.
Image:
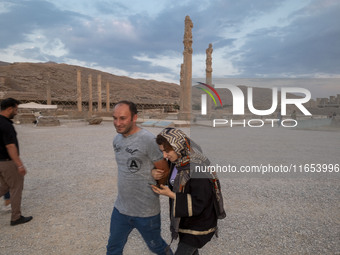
[{"x": 143, "y": 39}]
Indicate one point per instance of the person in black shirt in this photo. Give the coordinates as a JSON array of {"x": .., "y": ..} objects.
[{"x": 12, "y": 170}]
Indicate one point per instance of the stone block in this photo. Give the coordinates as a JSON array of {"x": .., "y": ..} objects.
[
  {"x": 95, "y": 120},
  {"x": 43, "y": 121},
  {"x": 24, "y": 118}
]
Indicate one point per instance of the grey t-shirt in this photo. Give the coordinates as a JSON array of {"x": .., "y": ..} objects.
[{"x": 135, "y": 155}]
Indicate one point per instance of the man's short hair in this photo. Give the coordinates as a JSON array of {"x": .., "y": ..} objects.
[
  {"x": 9, "y": 102},
  {"x": 132, "y": 106}
]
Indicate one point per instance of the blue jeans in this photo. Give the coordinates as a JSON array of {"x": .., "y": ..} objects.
[
  {"x": 149, "y": 227},
  {"x": 7, "y": 196}
]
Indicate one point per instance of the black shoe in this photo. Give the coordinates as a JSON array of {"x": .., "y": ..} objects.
[{"x": 21, "y": 220}]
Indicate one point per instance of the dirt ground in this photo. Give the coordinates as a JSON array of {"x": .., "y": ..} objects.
[{"x": 70, "y": 189}]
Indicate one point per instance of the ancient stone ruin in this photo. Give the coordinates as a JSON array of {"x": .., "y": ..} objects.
[{"x": 185, "y": 111}]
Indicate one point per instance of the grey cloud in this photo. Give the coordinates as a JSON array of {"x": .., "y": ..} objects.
[
  {"x": 110, "y": 7},
  {"x": 25, "y": 16},
  {"x": 309, "y": 45}
]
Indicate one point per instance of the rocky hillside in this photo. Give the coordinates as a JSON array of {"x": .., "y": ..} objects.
[{"x": 29, "y": 81}]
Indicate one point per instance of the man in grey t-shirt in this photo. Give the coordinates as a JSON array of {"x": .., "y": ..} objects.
[{"x": 136, "y": 206}]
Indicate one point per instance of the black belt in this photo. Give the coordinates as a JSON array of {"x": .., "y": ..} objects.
[{"x": 5, "y": 159}]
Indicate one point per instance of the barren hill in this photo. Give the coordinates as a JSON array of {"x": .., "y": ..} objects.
[{"x": 29, "y": 81}]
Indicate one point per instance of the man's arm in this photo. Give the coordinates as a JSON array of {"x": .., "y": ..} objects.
[
  {"x": 14, "y": 155},
  {"x": 162, "y": 165}
]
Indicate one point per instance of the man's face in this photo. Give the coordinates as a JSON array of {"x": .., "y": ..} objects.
[
  {"x": 122, "y": 120},
  {"x": 13, "y": 111}
]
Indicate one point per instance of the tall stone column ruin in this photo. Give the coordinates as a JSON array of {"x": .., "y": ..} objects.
[
  {"x": 185, "y": 111},
  {"x": 90, "y": 95},
  {"x": 99, "y": 83},
  {"x": 208, "y": 73},
  {"x": 2, "y": 87},
  {"x": 48, "y": 92},
  {"x": 107, "y": 96},
  {"x": 208, "y": 62},
  {"x": 181, "y": 90},
  {"x": 79, "y": 98},
  {"x": 48, "y": 89}
]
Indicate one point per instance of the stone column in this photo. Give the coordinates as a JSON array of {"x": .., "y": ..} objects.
[
  {"x": 208, "y": 73},
  {"x": 107, "y": 97},
  {"x": 48, "y": 89},
  {"x": 99, "y": 83},
  {"x": 208, "y": 62},
  {"x": 2, "y": 81},
  {"x": 79, "y": 100},
  {"x": 2, "y": 87},
  {"x": 185, "y": 113},
  {"x": 48, "y": 92},
  {"x": 90, "y": 95},
  {"x": 181, "y": 90}
]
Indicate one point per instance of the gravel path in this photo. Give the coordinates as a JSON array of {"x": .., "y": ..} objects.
[{"x": 71, "y": 186}]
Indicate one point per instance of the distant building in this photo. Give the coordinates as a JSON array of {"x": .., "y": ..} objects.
[{"x": 332, "y": 101}]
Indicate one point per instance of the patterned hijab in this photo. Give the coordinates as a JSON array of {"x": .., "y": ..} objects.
[
  {"x": 184, "y": 147},
  {"x": 188, "y": 151}
]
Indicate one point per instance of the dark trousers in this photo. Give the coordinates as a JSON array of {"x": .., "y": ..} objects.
[
  {"x": 186, "y": 249},
  {"x": 12, "y": 181}
]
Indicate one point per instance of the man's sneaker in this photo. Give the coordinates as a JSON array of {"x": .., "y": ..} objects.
[{"x": 21, "y": 220}]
